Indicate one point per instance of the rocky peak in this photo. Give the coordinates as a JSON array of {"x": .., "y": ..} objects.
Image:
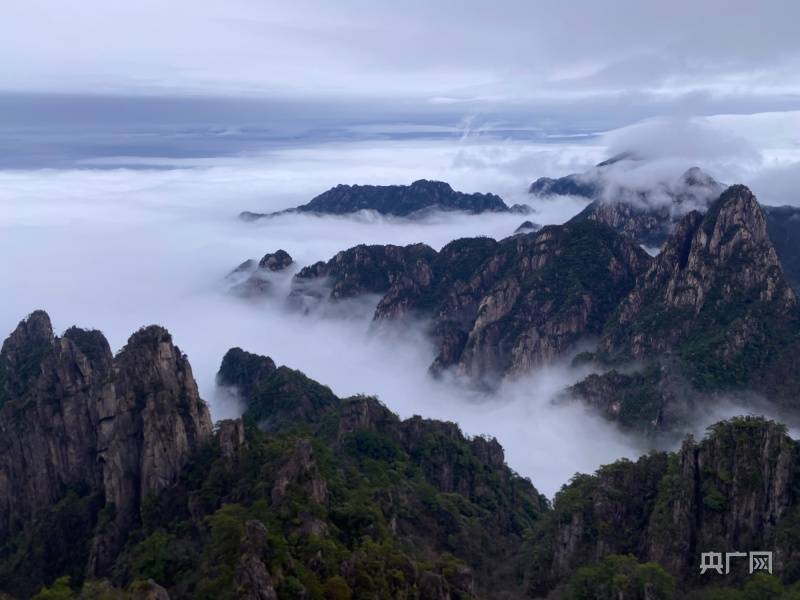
[
  {"x": 113, "y": 429},
  {"x": 35, "y": 329},
  {"x": 276, "y": 261},
  {"x": 527, "y": 227},
  {"x": 244, "y": 369},
  {"x": 363, "y": 270},
  {"x": 715, "y": 266},
  {"x": 258, "y": 278},
  {"x": 497, "y": 308},
  {"x": 22, "y": 353},
  {"x": 275, "y": 397}
]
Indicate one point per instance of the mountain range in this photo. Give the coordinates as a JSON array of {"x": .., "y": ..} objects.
[
  {"x": 409, "y": 201},
  {"x": 712, "y": 314},
  {"x": 649, "y": 213},
  {"x": 115, "y": 485}
]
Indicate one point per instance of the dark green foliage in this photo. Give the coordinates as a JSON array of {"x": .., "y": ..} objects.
[
  {"x": 90, "y": 342},
  {"x": 621, "y": 578},
  {"x": 364, "y": 510},
  {"x": 243, "y": 369},
  {"x": 58, "y": 544},
  {"x": 287, "y": 398},
  {"x": 16, "y": 378}
]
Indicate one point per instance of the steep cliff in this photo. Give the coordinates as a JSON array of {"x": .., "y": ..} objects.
[
  {"x": 734, "y": 491},
  {"x": 496, "y": 308},
  {"x": 91, "y": 435},
  {"x": 716, "y": 299}
]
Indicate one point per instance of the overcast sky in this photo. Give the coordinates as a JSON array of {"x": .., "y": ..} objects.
[{"x": 565, "y": 63}]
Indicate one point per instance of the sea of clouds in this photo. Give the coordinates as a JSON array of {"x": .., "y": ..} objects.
[{"x": 121, "y": 242}]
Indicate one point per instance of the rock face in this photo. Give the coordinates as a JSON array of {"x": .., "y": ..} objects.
[
  {"x": 649, "y": 214},
  {"x": 497, "y": 307},
  {"x": 75, "y": 419},
  {"x": 310, "y": 495},
  {"x": 715, "y": 297},
  {"x": 419, "y": 198},
  {"x": 733, "y": 491},
  {"x": 365, "y": 270},
  {"x": 713, "y": 313}
]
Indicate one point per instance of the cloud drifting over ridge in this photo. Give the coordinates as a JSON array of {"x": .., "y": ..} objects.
[{"x": 116, "y": 248}]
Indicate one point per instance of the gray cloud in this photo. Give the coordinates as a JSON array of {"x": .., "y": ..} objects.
[{"x": 587, "y": 62}]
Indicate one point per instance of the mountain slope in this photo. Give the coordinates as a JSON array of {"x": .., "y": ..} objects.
[
  {"x": 716, "y": 298},
  {"x": 496, "y": 308},
  {"x": 88, "y": 437},
  {"x": 312, "y": 496},
  {"x": 736, "y": 490}
]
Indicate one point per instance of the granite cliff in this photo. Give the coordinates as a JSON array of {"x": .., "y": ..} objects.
[
  {"x": 85, "y": 439},
  {"x": 713, "y": 313},
  {"x": 495, "y": 307}
]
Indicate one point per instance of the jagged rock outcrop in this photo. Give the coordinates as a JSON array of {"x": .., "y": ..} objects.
[
  {"x": 310, "y": 494},
  {"x": 417, "y": 199},
  {"x": 715, "y": 297},
  {"x": 76, "y": 420},
  {"x": 274, "y": 395},
  {"x": 364, "y": 270},
  {"x": 713, "y": 313},
  {"x": 649, "y": 212},
  {"x": 497, "y": 307},
  {"x": 736, "y": 490},
  {"x": 253, "y": 581}
]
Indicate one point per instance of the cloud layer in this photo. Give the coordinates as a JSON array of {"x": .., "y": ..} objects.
[
  {"x": 601, "y": 63},
  {"x": 117, "y": 248}
]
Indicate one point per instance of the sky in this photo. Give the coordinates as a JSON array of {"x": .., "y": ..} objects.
[
  {"x": 309, "y": 69},
  {"x": 133, "y": 133}
]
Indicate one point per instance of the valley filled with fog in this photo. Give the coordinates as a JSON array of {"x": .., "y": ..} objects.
[{"x": 118, "y": 242}]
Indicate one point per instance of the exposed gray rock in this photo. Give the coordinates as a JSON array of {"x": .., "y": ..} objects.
[{"x": 75, "y": 417}]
